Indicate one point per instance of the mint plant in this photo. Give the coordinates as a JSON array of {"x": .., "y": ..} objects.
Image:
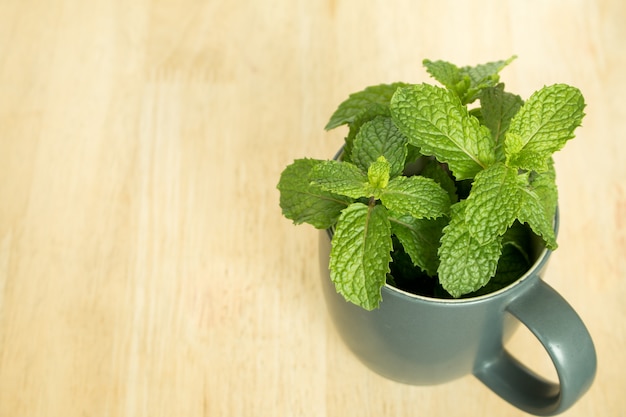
[{"x": 438, "y": 189}]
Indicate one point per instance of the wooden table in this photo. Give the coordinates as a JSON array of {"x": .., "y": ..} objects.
[{"x": 145, "y": 267}]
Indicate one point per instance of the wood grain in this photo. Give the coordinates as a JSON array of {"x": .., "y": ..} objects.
[{"x": 145, "y": 268}]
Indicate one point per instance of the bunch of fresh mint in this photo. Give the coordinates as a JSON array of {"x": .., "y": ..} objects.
[{"x": 427, "y": 187}]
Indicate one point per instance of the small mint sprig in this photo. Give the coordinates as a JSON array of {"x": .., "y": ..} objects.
[{"x": 360, "y": 254}]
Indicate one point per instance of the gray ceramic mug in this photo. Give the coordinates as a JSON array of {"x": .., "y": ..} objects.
[{"x": 424, "y": 341}]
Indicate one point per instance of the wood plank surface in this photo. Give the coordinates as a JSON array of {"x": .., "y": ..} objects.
[{"x": 145, "y": 267}]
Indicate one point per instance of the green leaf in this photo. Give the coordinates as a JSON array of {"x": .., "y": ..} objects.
[
  {"x": 418, "y": 196},
  {"x": 465, "y": 264},
  {"x": 420, "y": 240},
  {"x": 534, "y": 213},
  {"x": 380, "y": 137},
  {"x": 542, "y": 126},
  {"x": 512, "y": 265},
  {"x": 369, "y": 113},
  {"x": 304, "y": 203},
  {"x": 514, "y": 261},
  {"x": 378, "y": 175},
  {"x": 483, "y": 76},
  {"x": 544, "y": 185},
  {"x": 356, "y": 103},
  {"x": 493, "y": 203},
  {"x": 448, "y": 75},
  {"x": 341, "y": 178},
  {"x": 360, "y": 254},
  {"x": 497, "y": 109},
  {"x": 466, "y": 82},
  {"x": 434, "y": 120}
]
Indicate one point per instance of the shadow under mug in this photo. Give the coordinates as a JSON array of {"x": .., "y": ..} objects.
[{"x": 425, "y": 341}]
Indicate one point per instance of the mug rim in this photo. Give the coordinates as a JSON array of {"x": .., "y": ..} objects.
[
  {"x": 539, "y": 263},
  {"x": 528, "y": 275}
]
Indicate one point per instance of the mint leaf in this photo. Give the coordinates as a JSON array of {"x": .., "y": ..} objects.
[
  {"x": 433, "y": 119},
  {"x": 465, "y": 264},
  {"x": 493, "y": 203},
  {"x": 542, "y": 126},
  {"x": 304, "y": 203},
  {"x": 360, "y": 254},
  {"x": 370, "y": 113},
  {"x": 420, "y": 239},
  {"x": 378, "y": 175},
  {"x": 483, "y": 76},
  {"x": 418, "y": 196},
  {"x": 449, "y": 75},
  {"x": 356, "y": 103},
  {"x": 514, "y": 261},
  {"x": 497, "y": 109},
  {"x": 512, "y": 265},
  {"x": 466, "y": 82},
  {"x": 341, "y": 178},
  {"x": 380, "y": 137},
  {"x": 544, "y": 185},
  {"x": 534, "y": 213}
]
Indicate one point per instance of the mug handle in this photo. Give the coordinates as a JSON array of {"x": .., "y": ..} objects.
[{"x": 566, "y": 339}]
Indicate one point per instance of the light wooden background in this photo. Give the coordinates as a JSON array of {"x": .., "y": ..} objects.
[{"x": 145, "y": 268}]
